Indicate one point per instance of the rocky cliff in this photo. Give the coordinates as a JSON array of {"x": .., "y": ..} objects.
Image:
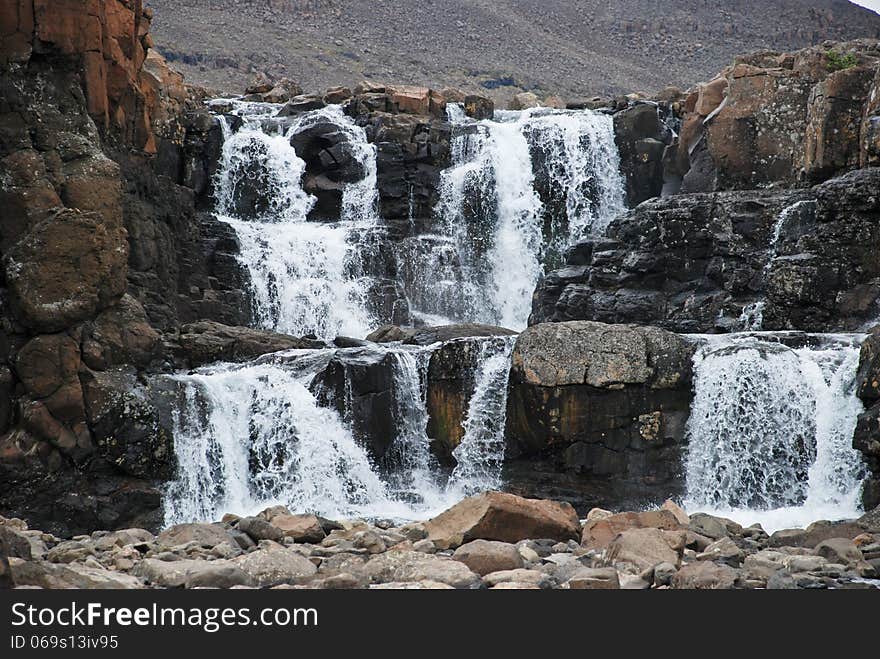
[{"x": 114, "y": 269}]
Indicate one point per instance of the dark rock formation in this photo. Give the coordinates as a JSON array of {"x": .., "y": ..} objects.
[
  {"x": 607, "y": 402},
  {"x": 694, "y": 263},
  {"x": 867, "y": 434}
]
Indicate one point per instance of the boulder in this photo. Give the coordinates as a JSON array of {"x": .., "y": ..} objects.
[
  {"x": 207, "y": 342},
  {"x": 505, "y": 518},
  {"x": 814, "y": 534},
  {"x": 839, "y": 550},
  {"x": 524, "y": 101},
  {"x": 705, "y": 576},
  {"x": 40, "y": 574},
  {"x": 413, "y": 566},
  {"x": 519, "y": 576},
  {"x": 272, "y": 564},
  {"x": 594, "y": 579},
  {"x": 486, "y": 556},
  {"x": 642, "y": 549},
  {"x": 299, "y": 528},
  {"x": 192, "y": 574},
  {"x": 258, "y": 529},
  {"x": 205, "y": 535},
  {"x": 599, "y": 533}
]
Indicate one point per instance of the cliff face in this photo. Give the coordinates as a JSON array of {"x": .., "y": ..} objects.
[{"x": 91, "y": 154}]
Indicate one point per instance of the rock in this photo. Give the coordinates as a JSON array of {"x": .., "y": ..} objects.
[
  {"x": 641, "y": 139},
  {"x": 676, "y": 510},
  {"x": 709, "y": 526},
  {"x": 524, "y": 101},
  {"x": 705, "y": 576},
  {"x": 66, "y": 269},
  {"x": 502, "y": 517},
  {"x": 723, "y": 551},
  {"x": 519, "y": 576},
  {"x": 839, "y": 550},
  {"x": 413, "y": 566},
  {"x": 261, "y": 84},
  {"x": 272, "y": 564},
  {"x": 45, "y": 575},
  {"x": 191, "y": 574},
  {"x": 478, "y": 107},
  {"x": 412, "y": 585},
  {"x": 205, "y": 535},
  {"x": 594, "y": 579},
  {"x": 607, "y": 403},
  {"x": 218, "y": 574},
  {"x": 259, "y": 529},
  {"x": 663, "y": 574},
  {"x": 642, "y": 549},
  {"x": 486, "y": 556},
  {"x": 299, "y": 528},
  {"x": 207, "y": 342},
  {"x": 781, "y": 581},
  {"x": 598, "y": 534},
  {"x": 814, "y": 534}
]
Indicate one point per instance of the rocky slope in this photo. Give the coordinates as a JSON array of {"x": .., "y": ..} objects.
[
  {"x": 578, "y": 48},
  {"x": 495, "y": 541}
]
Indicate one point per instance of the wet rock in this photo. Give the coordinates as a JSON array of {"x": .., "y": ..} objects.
[
  {"x": 486, "y": 556},
  {"x": 502, "y": 517}
]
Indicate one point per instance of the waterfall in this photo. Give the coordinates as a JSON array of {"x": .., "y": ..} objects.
[
  {"x": 255, "y": 435},
  {"x": 770, "y": 432},
  {"x": 480, "y": 456},
  {"x": 306, "y": 278},
  {"x": 521, "y": 189}
]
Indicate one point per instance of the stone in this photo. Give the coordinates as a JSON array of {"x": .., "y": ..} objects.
[
  {"x": 519, "y": 576},
  {"x": 814, "y": 534},
  {"x": 524, "y": 101},
  {"x": 205, "y": 535},
  {"x": 487, "y": 556},
  {"x": 502, "y": 517},
  {"x": 723, "y": 551},
  {"x": 66, "y": 269},
  {"x": 705, "y": 576},
  {"x": 663, "y": 574},
  {"x": 839, "y": 550},
  {"x": 413, "y": 566},
  {"x": 218, "y": 574},
  {"x": 46, "y": 575},
  {"x": 709, "y": 526},
  {"x": 598, "y": 534},
  {"x": 206, "y": 342},
  {"x": 644, "y": 548},
  {"x": 594, "y": 579},
  {"x": 299, "y": 528},
  {"x": 259, "y": 529},
  {"x": 13, "y": 544},
  {"x": 676, "y": 510},
  {"x": 190, "y": 573},
  {"x": 272, "y": 564}
]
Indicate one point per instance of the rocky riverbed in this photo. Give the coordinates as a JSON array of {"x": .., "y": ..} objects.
[{"x": 492, "y": 540}]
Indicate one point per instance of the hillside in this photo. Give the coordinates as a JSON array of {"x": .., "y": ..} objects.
[{"x": 555, "y": 46}]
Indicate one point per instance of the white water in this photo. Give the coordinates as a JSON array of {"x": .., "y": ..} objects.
[
  {"x": 480, "y": 456},
  {"x": 306, "y": 277},
  {"x": 770, "y": 432},
  {"x": 497, "y": 237},
  {"x": 254, "y": 435}
]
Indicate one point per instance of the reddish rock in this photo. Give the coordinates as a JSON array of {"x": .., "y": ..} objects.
[
  {"x": 599, "y": 533},
  {"x": 503, "y": 517}
]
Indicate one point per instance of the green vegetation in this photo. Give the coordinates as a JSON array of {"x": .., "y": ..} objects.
[{"x": 840, "y": 61}]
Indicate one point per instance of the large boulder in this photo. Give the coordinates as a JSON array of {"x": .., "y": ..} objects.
[
  {"x": 606, "y": 403},
  {"x": 641, "y": 549},
  {"x": 599, "y": 533},
  {"x": 505, "y": 518},
  {"x": 413, "y": 566},
  {"x": 487, "y": 556}
]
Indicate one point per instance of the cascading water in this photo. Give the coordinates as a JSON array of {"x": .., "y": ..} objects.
[
  {"x": 770, "y": 432},
  {"x": 522, "y": 188},
  {"x": 306, "y": 277},
  {"x": 255, "y": 435},
  {"x": 480, "y": 456}
]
